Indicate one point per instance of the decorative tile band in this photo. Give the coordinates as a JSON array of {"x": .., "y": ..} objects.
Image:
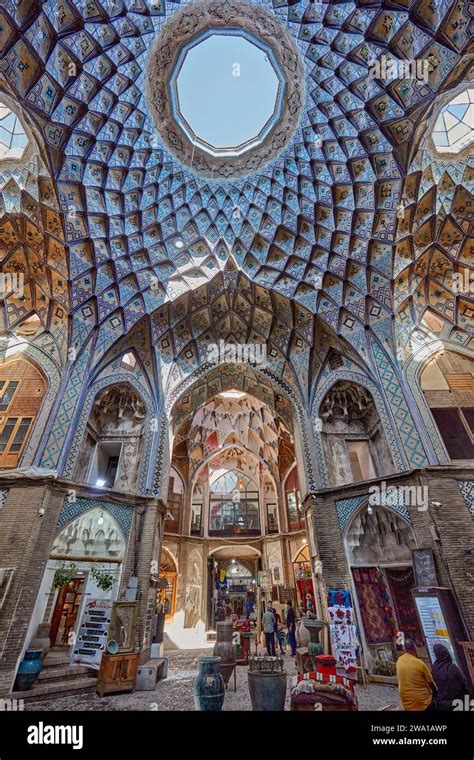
[
  {"x": 391, "y": 499},
  {"x": 73, "y": 508},
  {"x": 3, "y": 496},
  {"x": 467, "y": 489}
]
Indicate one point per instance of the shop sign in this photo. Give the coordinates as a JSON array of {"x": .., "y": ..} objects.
[
  {"x": 93, "y": 631},
  {"x": 424, "y": 568}
]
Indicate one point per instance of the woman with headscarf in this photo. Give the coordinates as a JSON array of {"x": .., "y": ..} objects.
[{"x": 449, "y": 679}]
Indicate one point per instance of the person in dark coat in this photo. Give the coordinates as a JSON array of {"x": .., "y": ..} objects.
[
  {"x": 448, "y": 678},
  {"x": 291, "y": 625}
]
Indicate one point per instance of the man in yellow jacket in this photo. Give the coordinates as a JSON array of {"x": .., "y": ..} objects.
[{"x": 415, "y": 683}]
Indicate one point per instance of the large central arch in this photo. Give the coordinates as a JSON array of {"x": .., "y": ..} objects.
[{"x": 217, "y": 381}]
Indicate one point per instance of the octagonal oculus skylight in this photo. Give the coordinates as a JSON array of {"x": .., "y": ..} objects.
[
  {"x": 454, "y": 127},
  {"x": 226, "y": 92}
]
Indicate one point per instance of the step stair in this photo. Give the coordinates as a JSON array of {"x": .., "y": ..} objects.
[{"x": 59, "y": 679}]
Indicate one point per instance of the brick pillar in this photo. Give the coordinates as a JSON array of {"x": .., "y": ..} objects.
[
  {"x": 26, "y": 539},
  {"x": 150, "y": 522}
]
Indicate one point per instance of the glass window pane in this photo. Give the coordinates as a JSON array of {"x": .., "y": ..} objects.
[
  {"x": 7, "y": 431},
  {"x": 453, "y": 433},
  {"x": 469, "y": 415},
  {"x": 7, "y": 395},
  {"x": 292, "y": 506}
]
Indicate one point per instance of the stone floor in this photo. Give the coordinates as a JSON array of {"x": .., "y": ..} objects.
[{"x": 175, "y": 692}]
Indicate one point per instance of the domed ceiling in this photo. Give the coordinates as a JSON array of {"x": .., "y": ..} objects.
[{"x": 316, "y": 224}]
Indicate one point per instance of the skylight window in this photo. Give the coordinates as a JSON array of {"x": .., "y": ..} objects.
[
  {"x": 129, "y": 361},
  {"x": 232, "y": 394},
  {"x": 454, "y": 128},
  {"x": 226, "y": 91},
  {"x": 13, "y": 138}
]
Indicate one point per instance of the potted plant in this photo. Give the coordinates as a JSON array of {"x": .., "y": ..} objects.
[
  {"x": 102, "y": 578},
  {"x": 63, "y": 574}
]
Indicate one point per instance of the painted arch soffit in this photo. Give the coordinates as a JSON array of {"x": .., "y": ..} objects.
[
  {"x": 434, "y": 250},
  {"x": 316, "y": 224},
  {"x": 34, "y": 301}
]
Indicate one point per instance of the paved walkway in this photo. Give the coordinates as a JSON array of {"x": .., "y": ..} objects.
[{"x": 175, "y": 692}]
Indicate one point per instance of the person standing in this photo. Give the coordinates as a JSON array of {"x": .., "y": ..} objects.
[
  {"x": 268, "y": 622},
  {"x": 291, "y": 626},
  {"x": 415, "y": 682},
  {"x": 450, "y": 681}
]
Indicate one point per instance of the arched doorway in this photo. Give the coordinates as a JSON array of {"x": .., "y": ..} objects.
[
  {"x": 167, "y": 594},
  {"x": 86, "y": 561},
  {"x": 303, "y": 576},
  {"x": 379, "y": 544},
  {"x": 232, "y": 581}
]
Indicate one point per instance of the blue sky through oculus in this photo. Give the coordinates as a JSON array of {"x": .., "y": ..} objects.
[{"x": 227, "y": 90}]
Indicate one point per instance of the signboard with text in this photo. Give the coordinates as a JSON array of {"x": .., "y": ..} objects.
[{"x": 92, "y": 635}]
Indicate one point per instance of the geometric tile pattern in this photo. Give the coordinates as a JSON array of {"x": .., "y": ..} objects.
[
  {"x": 393, "y": 500},
  {"x": 467, "y": 489},
  {"x": 143, "y": 239},
  {"x": 64, "y": 414},
  {"x": 72, "y": 508},
  {"x": 317, "y": 224},
  {"x": 404, "y": 421},
  {"x": 345, "y": 508},
  {"x": 434, "y": 251},
  {"x": 3, "y": 496}
]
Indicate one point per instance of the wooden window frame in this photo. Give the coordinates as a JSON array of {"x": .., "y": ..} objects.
[{"x": 7, "y": 453}]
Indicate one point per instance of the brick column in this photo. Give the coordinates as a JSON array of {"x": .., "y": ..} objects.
[{"x": 26, "y": 539}]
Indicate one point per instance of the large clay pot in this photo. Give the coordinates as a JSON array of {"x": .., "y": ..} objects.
[
  {"x": 225, "y": 649},
  {"x": 29, "y": 670},
  {"x": 41, "y": 640},
  {"x": 303, "y": 636},
  {"x": 209, "y": 687},
  {"x": 267, "y": 683}
]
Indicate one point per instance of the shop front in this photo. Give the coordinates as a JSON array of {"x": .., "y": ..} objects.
[
  {"x": 303, "y": 580},
  {"x": 85, "y": 565}
]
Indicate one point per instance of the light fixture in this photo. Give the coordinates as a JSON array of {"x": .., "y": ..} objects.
[
  {"x": 370, "y": 511},
  {"x": 100, "y": 521},
  {"x": 233, "y": 561},
  {"x": 179, "y": 243},
  {"x": 240, "y": 484},
  {"x": 100, "y": 482}
]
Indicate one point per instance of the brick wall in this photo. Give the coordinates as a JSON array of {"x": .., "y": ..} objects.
[
  {"x": 452, "y": 521},
  {"x": 26, "y": 540},
  {"x": 25, "y": 544}
]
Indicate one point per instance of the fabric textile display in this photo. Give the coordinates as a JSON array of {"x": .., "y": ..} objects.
[
  {"x": 401, "y": 582},
  {"x": 339, "y": 598},
  {"x": 327, "y": 690},
  {"x": 343, "y": 629},
  {"x": 377, "y": 614}
]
